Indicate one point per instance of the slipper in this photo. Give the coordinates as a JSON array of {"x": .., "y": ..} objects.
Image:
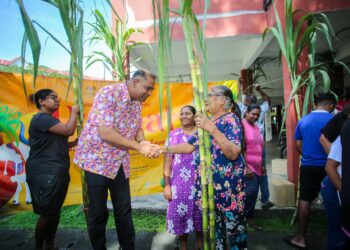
[{"x": 288, "y": 240}]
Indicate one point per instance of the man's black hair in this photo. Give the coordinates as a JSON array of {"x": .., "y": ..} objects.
[
  {"x": 143, "y": 73},
  {"x": 325, "y": 98}
]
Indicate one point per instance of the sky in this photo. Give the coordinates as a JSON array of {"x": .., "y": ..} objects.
[{"x": 52, "y": 54}]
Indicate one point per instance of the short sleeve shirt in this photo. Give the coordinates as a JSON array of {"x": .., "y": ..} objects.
[
  {"x": 112, "y": 108},
  {"x": 49, "y": 152},
  {"x": 335, "y": 153},
  {"x": 254, "y": 147},
  {"x": 308, "y": 130}
]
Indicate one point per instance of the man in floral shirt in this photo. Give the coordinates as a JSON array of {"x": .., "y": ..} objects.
[{"x": 114, "y": 127}]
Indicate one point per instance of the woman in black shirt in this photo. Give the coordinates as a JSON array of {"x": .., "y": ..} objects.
[{"x": 47, "y": 167}]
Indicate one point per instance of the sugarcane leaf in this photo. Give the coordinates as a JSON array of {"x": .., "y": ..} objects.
[
  {"x": 327, "y": 23},
  {"x": 65, "y": 14},
  {"x": 70, "y": 78},
  {"x": 114, "y": 11},
  {"x": 326, "y": 32},
  {"x": 54, "y": 3},
  {"x": 326, "y": 83},
  {"x": 52, "y": 36},
  {"x": 32, "y": 37},
  {"x": 23, "y": 61},
  {"x": 299, "y": 25}
]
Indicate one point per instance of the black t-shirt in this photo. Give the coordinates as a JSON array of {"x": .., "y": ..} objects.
[
  {"x": 333, "y": 128},
  {"x": 345, "y": 189},
  {"x": 49, "y": 152}
]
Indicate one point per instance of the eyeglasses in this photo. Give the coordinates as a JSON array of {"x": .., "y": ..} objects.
[
  {"x": 54, "y": 97},
  {"x": 210, "y": 95}
]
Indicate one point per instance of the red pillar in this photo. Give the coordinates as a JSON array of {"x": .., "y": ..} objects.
[
  {"x": 291, "y": 117},
  {"x": 246, "y": 76}
]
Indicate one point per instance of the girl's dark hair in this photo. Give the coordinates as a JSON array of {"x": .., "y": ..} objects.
[
  {"x": 190, "y": 107},
  {"x": 253, "y": 106},
  {"x": 41, "y": 95}
]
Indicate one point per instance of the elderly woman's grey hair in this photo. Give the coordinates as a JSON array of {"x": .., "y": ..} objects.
[{"x": 227, "y": 93}]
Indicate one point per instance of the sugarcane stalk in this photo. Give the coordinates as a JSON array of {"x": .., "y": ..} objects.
[
  {"x": 78, "y": 99},
  {"x": 208, "y": 163},
  {"x": 204, "y": 139}
]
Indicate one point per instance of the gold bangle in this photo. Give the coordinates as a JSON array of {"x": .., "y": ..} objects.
[{"x": 167, "y": 149}]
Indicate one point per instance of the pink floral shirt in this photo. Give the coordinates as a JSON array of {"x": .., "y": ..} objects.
[{"x": 112, "y": 108}]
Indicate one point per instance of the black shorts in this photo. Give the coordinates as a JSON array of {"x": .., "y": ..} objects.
[
  {"x": 48, "y": 193},
  {"x": 310, "y": 182}
]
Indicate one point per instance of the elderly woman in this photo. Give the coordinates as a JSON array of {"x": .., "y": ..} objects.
[
  {"x": 227, "y": 164},
  {"x": 184, "y": 213}
]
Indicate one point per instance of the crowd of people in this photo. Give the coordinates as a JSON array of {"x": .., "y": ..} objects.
[
  {"x": 320, "y": 137},
  {"x": 114, "y": 126}
]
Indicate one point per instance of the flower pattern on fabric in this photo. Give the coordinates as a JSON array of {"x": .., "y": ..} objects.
[
  {"x": 174, "y": 192},
  {"x": 170, "y": 225},
  {"x": 190, "y": 227},
  {"x": 229, "y": 185},
  {"x": 184, "y": 210},
  {"x": 112, "y": 108},
  {"x": 185, "y": 174}
]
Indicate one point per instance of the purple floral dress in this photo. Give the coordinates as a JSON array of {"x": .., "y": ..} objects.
[{"x": 184, "y": 210}]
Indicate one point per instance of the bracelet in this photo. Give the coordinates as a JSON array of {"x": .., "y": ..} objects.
[{"x": 167, "y": 149}]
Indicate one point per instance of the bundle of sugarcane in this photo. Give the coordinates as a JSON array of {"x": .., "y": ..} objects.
[{"x": 192, "y": 28}]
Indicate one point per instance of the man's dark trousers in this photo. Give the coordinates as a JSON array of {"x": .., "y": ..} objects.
[{"x": 119, "y": 189}]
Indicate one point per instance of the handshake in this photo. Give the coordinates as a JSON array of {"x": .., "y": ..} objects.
[{"x": 151, "y": 150}]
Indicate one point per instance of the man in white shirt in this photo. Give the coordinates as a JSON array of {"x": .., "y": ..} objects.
[{"x": 330, "y": 187}]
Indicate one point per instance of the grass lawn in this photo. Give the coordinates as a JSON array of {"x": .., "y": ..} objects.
[
  {"x": 72, "y": 217},
  {"x": 154, "y": 221}
]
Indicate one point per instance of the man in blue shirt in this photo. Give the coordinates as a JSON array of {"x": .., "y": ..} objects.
[{"x": 313, "y": 161}]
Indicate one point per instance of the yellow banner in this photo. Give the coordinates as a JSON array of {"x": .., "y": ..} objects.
[{"x": 145, "y": 173}]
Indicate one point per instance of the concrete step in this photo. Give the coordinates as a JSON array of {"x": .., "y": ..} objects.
[{"x": 282, "y": 192}]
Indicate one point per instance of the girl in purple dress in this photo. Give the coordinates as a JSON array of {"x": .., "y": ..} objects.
[{"x": 180, "y": 173}]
